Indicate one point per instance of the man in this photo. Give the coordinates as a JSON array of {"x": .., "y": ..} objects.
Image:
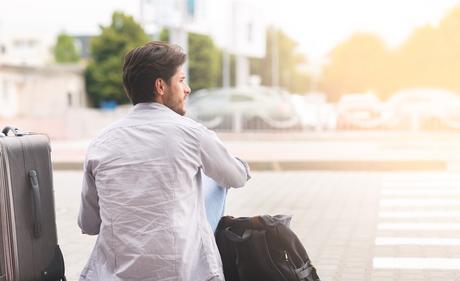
[{"x": 142, "y": 189}]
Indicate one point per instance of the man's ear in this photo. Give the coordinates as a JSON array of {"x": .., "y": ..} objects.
[{"x": 159, "y": 86}]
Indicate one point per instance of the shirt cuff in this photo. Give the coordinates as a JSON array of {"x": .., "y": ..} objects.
[{"x": 246, "y": 168}]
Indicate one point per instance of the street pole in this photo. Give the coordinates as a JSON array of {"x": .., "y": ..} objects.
[
  {"x": 178, "y": 35},
  {"x": 242, "y": 70},
  {"x": 275, "y": 59},
  {"x": 225, "y": 68}
]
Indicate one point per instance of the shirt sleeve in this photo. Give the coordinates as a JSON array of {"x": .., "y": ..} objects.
[
  {"x": 89, "y": 219},
  {"x": 218, "y": 164}
]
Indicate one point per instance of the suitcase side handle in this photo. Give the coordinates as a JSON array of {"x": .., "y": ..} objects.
[{"x": 37, "y": 203}]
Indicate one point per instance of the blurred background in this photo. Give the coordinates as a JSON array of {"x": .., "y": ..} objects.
[
  {"x": 347, "y": 111},
  {"x": 253, "y": 65}
]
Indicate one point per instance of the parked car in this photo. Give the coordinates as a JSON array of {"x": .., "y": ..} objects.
[
  {"x": 237, "y": 109},
  {"x": 361, "y": 111},
  {"x": 314, "y": 112},
  {"x": 425, "y": 109}
]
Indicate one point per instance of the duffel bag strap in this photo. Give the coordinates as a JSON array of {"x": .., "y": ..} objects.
[{"x": 304, "y": 272}]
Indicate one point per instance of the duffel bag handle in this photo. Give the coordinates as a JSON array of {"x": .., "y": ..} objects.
[
  {"x": 37, "y": 203},
  {"x": 232, "y": 236},
  {"x": 14, "y": 130}
]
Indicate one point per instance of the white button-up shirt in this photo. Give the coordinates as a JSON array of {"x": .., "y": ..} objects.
[{"x": 142, "y": 194}]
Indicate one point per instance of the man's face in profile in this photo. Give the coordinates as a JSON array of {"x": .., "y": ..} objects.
[{"x": 176, "y": 91}]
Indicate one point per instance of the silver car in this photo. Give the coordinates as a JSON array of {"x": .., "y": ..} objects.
[{"x": 237, "y": 109}]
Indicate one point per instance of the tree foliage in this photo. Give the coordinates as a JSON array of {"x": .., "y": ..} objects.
[
  {"x": 65, "y": 50},
  {"x": 428, "y": 58},
  {"x": 431, "y": 57},
  {"x": 204, "y": 61},
  {"x": 103, "y": 73},
  {"x": 290, "y": 61},
  {"x": 356, "y": 65}
]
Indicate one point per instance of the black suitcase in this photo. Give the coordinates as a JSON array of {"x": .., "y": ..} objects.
[{"x": 28, "y": 244}]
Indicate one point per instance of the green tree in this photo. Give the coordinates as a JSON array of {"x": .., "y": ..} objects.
[
  {"x": 65, "y": 50},
  {"x": 103, "y": 73},
  {"x": 164, "y": 35},
  {"x": 290, "y": 61},
  {"x": 430, "y": 56},
  {"x": 359, "y": 64},
  {"x": 204, "y": 61}
]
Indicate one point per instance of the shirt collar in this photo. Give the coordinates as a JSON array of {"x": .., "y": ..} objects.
[{"x": 150, "y": 105}]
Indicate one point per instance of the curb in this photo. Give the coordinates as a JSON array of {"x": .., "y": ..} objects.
[{"x": 350, "y": 165}]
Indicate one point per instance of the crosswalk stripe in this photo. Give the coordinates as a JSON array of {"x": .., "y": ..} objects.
[
  {"x": 416, "y": 263},
  {"x": 416, "y": 185},
  {"x": 420, "y": 202},
  {"x": 386, "y": 241},
  {"x": 419, "y": 226},
  {"x": 424, "y": 197},
  {"x": 421, "y": 214},
  {"x": 426, "y": 177},
  {"x": 420, "y": 192}
]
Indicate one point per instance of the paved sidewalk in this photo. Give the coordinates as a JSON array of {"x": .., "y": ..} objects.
[{"x": 356, "y": 226}]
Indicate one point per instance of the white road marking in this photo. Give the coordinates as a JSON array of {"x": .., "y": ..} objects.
[
  {"x": 419, "y": 226},
  {"x": 416, "y": 191},
  {"x": 392, "y": 241},
  {"x": 421, "y": 214},
  {"x": 416, "y": 185},
  {"x": 420, "y": 202},
  {"x": 421, "y": 192},
  {"x": 416, "y": 263}
]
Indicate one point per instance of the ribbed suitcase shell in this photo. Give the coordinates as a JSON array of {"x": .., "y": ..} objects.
[{"x": 28, "y": 244}]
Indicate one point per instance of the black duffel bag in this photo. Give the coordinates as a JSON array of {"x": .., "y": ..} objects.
[{"x": 262, "y": 248}]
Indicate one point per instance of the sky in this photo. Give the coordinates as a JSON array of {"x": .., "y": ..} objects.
[
  {"x": 320, "y": 25},
  {"x": 317, "y": 25}
]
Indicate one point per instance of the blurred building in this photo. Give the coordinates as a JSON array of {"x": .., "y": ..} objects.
[
  {"x": 30, "y": 85},
  {"x": 237, "y": 27},
  {"x": 40, "y": 90},
  {"x": 25, "y": 50}
]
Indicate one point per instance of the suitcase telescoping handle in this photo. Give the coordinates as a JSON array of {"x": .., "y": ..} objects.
[
  {"x": 37, "y": 203},
  {"x": 14, "y": 130}
]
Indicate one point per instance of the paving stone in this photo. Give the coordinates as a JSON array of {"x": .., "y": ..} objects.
[{"x": 335, "y": 215}]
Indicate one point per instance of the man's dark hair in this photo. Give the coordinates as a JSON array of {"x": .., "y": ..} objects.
[{"x": 145, "y": 64}]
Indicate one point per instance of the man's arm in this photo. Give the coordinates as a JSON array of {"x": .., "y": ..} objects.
[
  {"x": 219, "y": 164},
  {"x": 89, "y": 219}
]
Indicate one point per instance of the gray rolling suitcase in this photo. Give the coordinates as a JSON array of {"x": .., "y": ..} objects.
[{"x": 28, "y": 244}]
